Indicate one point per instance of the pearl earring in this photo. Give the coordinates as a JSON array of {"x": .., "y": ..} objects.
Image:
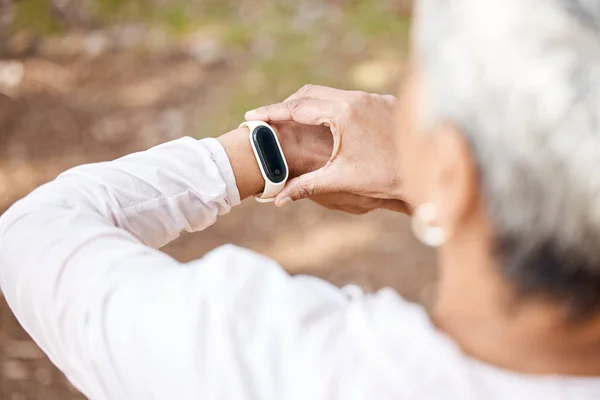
[{"x": 422, "y": 219}]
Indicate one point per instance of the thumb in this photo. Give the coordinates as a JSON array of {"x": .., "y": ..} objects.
[
  {"x": 396, "y": 205},
  {"x": 307, "y": 185}
]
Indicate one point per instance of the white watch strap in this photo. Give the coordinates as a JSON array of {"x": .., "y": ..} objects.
[{"x": 271, "y": 189}]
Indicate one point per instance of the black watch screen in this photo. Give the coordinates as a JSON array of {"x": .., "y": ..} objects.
[{"x": 269, "y": 154}]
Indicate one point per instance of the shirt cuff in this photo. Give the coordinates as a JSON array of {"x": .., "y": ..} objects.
[{"x": 224, "y": 165}]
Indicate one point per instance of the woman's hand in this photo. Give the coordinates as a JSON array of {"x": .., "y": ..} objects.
[
  {"x": 306, "y": 148},
  {"x": 360, "y": 173}
]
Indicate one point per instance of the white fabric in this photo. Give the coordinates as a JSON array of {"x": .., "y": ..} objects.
[{"x": 79, "y": 268}]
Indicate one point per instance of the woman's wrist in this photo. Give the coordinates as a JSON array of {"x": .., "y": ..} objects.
[
  {"x": 247, "y": 174},
  {"x": 248, "y": 177}
]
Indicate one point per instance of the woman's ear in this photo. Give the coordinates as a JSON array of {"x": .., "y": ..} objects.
[{"x": 454, "y": 176}]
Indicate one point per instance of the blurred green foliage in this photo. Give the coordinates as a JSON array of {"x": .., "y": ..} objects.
[
  {"x": 36, "y": 15},
  {"x": 371, "y": 17},
  {"x": 290, "y": 52}
]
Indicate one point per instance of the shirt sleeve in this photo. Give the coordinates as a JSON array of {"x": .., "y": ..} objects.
[{"x": 80, "y": 269}]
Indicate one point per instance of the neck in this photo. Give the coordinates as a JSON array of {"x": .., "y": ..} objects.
[{"x": 479, "y": 310}]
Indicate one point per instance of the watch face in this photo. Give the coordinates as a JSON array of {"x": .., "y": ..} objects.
[{"x": 269, "y": 154}]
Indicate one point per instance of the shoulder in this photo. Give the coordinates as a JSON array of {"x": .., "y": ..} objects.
[
  {"x": 264, "y": 282},
  {"x": 336, "y": 340},
  {"x": 401, "y": 328},
  {"x": 384, "y": 316},
  {"x": 398, "y": 352}
]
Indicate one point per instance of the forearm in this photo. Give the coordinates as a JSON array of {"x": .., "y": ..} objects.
[
  {"x": 68, "y": 247},
  {"x": 247, "y": 174},
  {"x": 149, "y": 196},
  {"x": 146, "y": 198},
  {"x": 110, "y": 310},
  {"x": 248, "y": 178}
]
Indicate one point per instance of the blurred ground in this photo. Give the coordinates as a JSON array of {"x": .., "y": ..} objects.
[{"x": 90, "y": 81}]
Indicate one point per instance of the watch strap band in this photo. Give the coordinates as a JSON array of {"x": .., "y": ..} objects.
[{"x": 271, "y": 189}]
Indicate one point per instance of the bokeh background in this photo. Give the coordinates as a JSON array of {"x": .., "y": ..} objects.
[{"x": 91, "y": 80}]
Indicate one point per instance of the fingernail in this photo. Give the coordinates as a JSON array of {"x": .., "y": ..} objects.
[
  {"x": 285, "y": 201},
  {"x": 250, "y": 114}
]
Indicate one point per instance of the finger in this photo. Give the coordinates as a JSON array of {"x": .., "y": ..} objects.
[
  {"x": 314, "y": 183},
  {"x": 341, "y": 207},
  {"x": 320, "y": 200},
  {"x": 358, "y": 204},
  {"x": 337, "y": 202},
  {"x": 395, "y": 205},
  {"x": 355, "y": 210},
  {"x": 318, "y": 92},
  {"x": 305, "y": 111},
  {"x": 389, "y": 100}
]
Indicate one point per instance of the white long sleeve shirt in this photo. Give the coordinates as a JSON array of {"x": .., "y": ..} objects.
[{"x": 80, "y": 269}]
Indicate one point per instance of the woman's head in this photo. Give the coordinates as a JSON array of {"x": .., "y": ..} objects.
[{"x": 500, "y": 130}]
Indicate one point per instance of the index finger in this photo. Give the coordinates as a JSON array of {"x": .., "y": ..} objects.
[
  {"x": 303, "y": 111},
  {"x": 318, "y": 92}
]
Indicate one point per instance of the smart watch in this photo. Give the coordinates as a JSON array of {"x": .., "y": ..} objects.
[{"x": 269, "y": 157}]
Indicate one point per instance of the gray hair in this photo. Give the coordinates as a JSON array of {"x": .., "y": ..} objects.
[{"x": 521, "y": 79}]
